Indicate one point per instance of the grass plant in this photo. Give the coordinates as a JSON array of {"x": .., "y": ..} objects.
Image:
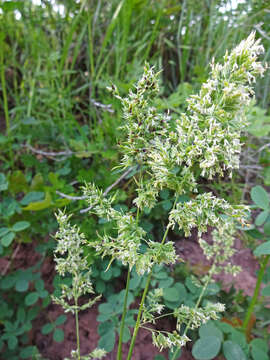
[{"x": 205, "y": 143}]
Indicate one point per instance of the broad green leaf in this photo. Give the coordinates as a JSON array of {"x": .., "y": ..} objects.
[
  {"x": 21, "y": 314},
  {"x": 126, "y": 334},
  {"x": 17, "y": 182},
  {"x": 206, "y": 348},
  {"x": 263, "y": 249},
  {"x": 47, "y": 328},
  {"x": 167, "y": 205},
  {"x": 181, "y": 291},
  {"x": 171, "y": 294},
  {"x": 4, "y": 231},
  {"x": 60, "y": 320},
  {"x": 105, "y": 308},
  {"x": 32, "y": 313},
  {"x": 43, "y": 294},
  {"x": 166, "y": 283},
  {"x": 104, "y": 317},
  {"x": 39, "y": 285},
  {"x": 233, "y": 351},
  {"x": 258, "y": 122},
  {"x": 191, "y": 286},
  {"x": 104, "y": 327},
  {"x": 164, "y": 194},
  {"x": 212, "y": 289},
  {"x": 22, "y": 285},
  {"x": 32, "y": 197},
  {"x": 20, "y": 225},
  {"x": 260, "y": 197},
  {"x": 266, "y": 291},
  {"x": 107, "y": 341},
  {"x": 3, "y": 182},
  {"x": 266, "y": 228},
  {"x": 40, "y": 205},
  {"x": 106, "y": 275},
  {"x": 159, "y": 357},
  {"x": 7, "y": 239},
  {"x": 58, "y": 335},
  {"x": 261, "y": 218},
  {"x": 100, "y": 286},
  {"x": 116, "y": 271},
  {"x": 12, "y": 5},
  {"x": 209, "y": 329},
  {"x": 238, "y": 337},
  {"x": 259, "y": 349},
  {"x": 12, "y": 342},
  {"x": 37, "y": 182},
  {"x": 134, "y": 281},
  {"x": 28, "y": 352},
  {"x": 31, "y": 298},
  {"x": 161, "y": 275},
  {"x": 172, "y": 304}
]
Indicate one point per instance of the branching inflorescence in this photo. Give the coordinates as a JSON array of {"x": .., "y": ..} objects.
[{"x": 204, "y": 142}]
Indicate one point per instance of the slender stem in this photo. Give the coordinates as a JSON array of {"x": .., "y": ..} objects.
[
  {"x": 159, "y": 317},
  {"x": 32, "y": 89},
  {"x": 3, "y": 82},
  {"x": 176, "y": 353},
  {"x": 256, "y": 292},
  {"x": 137, "y": 325},
  {"x": 77, "y": 328},
  {"x": 119, "y": 352}
]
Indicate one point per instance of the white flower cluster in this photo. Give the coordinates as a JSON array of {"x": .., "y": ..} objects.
[
  {"x": 95, "y": 354},
  {"x": 72, "y": 262},
  {"x": 210, "y": 131},
  {"x": 126, "y": 246},
  {"x": 195, "y": 317},
  {"x": 206, "y": 210},
  {"x": 153, "y": 306},
  {"x": 203, "y": 142},
  {"x": 221, "y": 248},
  {"x": 169, "y": 340}
]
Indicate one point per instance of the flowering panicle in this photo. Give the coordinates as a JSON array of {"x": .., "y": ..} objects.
[
  {"x": 72, "y": 262},
  {"x": 169, "y": 340},
  {"x": 195, "y": 317},
  {"x": 153, "y": 306},
  {"x": 221, "y": 249},
  {"x": 205, "y": 140},
  {"x": 69, "y": 243},
  {"x": 206, "y": 210},
  {"x": 126, "y": 246}
]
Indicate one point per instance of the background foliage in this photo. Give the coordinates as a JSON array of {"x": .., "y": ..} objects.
[{"x": 59, "y": 129}]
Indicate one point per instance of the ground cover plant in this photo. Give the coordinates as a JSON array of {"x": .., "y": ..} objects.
[{"x": 60, "y": 129}]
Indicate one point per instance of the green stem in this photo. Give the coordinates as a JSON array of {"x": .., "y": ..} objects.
[
  {"x": 159, "y": 317},
  {"x": 77, "y": 329},
  {"x": 137, "y": 325},
  {"x": 3, "y": 83},
  {"x": 119, "y": 352},
  {"x": 256, "y": 292},
  {"x": 32, "y": 89},
  {"x": 176, "y": 353}
]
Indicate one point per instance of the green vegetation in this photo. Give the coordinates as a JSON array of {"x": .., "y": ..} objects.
[{"x": 73, "y": 112}]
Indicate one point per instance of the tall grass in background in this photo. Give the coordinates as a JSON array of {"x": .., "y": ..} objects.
[{"x": 54, "y": 64}]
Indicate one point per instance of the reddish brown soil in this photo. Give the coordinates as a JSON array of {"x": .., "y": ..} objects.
[{"x": 188, "y": 249}]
